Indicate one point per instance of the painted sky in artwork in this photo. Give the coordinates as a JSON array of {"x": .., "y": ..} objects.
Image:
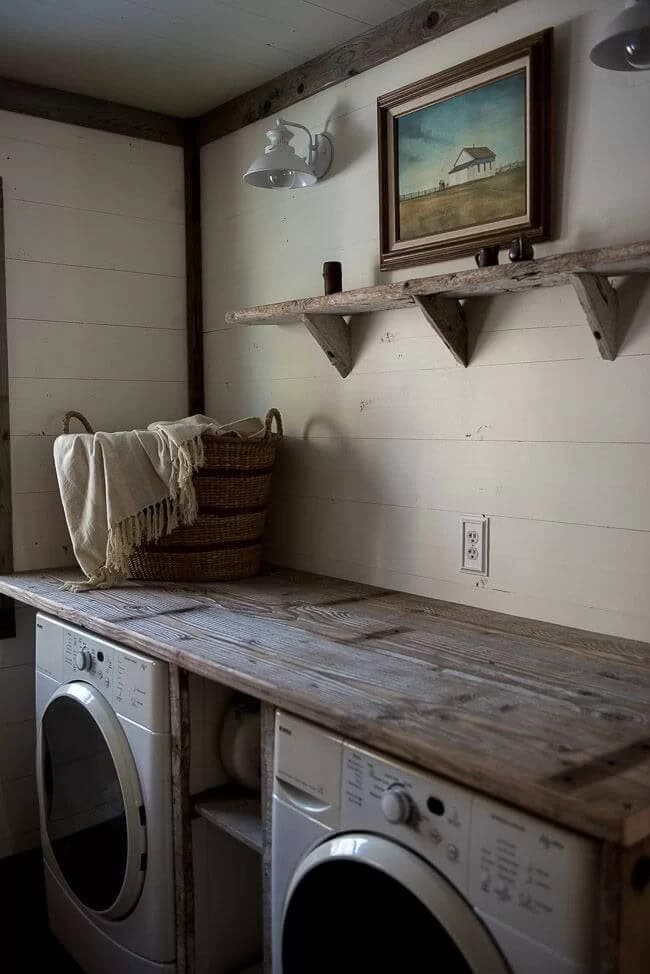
[{"x": 430, "y": 139}]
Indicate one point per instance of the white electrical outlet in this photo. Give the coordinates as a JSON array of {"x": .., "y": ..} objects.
[{"x": 474, "y": 544}]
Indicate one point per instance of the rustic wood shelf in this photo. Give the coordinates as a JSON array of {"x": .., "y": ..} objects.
[
  {"x": 439, "y": 297},
  {"x": 238, "y": 815}
]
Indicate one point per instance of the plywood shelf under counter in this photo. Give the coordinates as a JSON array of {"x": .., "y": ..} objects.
[
  {"x": 439, "y": 299},
  {"x": 236, "y": 812}
]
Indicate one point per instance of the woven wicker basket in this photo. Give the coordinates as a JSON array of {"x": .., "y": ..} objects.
[{"x": 232, "y": 491}]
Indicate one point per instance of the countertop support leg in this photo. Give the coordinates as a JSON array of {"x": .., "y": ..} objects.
[
  {"x": 268, "y": 738},
  {"x": 179, "y": 704}
]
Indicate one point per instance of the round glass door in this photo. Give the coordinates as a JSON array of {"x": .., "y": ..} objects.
[
  {"x": 362, "y": 903},
  {"x": 91, "y": 804}
]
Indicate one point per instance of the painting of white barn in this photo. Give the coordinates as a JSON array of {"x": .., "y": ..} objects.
[{"x": 472, "y": 162}]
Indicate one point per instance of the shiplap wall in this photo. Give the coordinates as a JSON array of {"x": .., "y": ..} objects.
[
  {"x": 539, "y": 432},
  {"x": 95, "y": 294}
]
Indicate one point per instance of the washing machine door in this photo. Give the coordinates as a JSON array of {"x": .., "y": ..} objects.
[
  {"x": 91, "y": 807},
  {"x": 360, "y": 902}
]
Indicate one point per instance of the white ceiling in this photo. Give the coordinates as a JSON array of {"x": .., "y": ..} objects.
[{"x": 182, "y": 57}]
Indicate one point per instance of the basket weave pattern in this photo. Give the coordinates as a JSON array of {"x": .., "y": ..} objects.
[{"x": 232, "y": 492}]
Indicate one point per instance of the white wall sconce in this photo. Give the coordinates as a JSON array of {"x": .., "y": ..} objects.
[
  {"x": 280, "y": 167},
  {"x": 626, "y": 45}
]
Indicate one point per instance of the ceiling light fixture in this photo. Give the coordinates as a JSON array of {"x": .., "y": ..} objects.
[
  {"x": 280, "y": 167},
  {"x": 626, "y": 45}
]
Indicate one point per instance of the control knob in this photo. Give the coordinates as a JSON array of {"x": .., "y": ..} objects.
[
  {"x": 83, "y": 659},
  {"x": 397, "y": 805}
]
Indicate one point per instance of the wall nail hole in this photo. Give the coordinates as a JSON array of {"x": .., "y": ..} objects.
[
  {"x": 432, "y": 20},
  {"x": 301, "y": 88},
  {"x": 597, "y": 336}
]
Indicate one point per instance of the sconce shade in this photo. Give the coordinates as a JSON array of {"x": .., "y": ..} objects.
[
  {"x": 626, "y": 45},
  {"x": 280, "y": 167}
]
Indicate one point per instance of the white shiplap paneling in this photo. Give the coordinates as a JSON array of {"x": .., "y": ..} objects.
[
  {"x": 538, "y": 432},
  {"x": 95, "y": 293}
]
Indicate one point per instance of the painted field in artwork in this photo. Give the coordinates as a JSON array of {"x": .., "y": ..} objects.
[
  {"x": 461, "y": 162},
  {"x": 498, "y": 197}
]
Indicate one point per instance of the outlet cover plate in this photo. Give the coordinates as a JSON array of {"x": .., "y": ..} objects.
[{"x": 474, "y": 544}]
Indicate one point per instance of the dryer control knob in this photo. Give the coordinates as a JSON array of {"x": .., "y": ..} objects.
[
  {"x": 83, "y": 660},
  {"x": 397, "y": 805}
]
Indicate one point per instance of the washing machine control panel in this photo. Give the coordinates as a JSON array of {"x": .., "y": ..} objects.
[
  {"x": 432, "y": 819},
  {"x": 82, "y": 654},
  {"x": 136, "y": 686},
  {"x": 526, "y": 874}
]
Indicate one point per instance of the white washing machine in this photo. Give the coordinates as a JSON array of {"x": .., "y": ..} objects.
[
  {"x": 104, "y": 785},
  {"x": 378, "y": 868}
]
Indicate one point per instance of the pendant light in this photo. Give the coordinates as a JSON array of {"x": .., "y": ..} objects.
[
  {"x": 280, "y": 167},
  {"x": 626, "y": 45}
]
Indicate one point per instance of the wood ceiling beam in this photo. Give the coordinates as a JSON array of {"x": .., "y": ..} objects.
[
  {"x": 402, "y": 33},
  {"x": 94, "y": 113}
]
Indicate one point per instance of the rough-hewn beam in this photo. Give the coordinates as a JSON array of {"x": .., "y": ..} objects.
[
  {"x": 7, "y": 615},
  {"x": 445, "y": 316},
  {"x": 193, "y": 272},
  {"x": 179, "y": 713},
  {"x": 94, "y": 113},
  {"x": 428, "y": 20},
  {"x": 556, "y": 270},
  {"x": 332, "y": 333},
  {"x": 600, "y": 304}
]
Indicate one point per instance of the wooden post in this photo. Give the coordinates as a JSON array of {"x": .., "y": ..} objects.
[
  {"x": 268, "y": 741},
  {"x": 193, "y": 271},
  {"x": 179, "y": 705},
  {"x": 7, "y": 614}
]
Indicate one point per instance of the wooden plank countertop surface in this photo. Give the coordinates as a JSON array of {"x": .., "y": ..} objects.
[{"x": 554, "y": 720}]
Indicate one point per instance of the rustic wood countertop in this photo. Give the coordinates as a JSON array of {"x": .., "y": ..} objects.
[{"x": 553, "y": 720}]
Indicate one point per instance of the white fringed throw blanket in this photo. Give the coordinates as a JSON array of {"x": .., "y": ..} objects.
[{"x": 120, "y": 490}]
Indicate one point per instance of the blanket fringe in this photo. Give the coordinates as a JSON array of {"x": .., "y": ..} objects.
[{"x": 150, "y": 524}]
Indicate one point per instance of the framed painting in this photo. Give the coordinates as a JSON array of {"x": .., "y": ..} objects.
[{"x": 465, "y": 156}]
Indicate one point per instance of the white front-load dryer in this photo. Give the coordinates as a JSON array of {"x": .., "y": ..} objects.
[
  {"x": 380, "y": 868},
  {"x": 104, "y": 786}
]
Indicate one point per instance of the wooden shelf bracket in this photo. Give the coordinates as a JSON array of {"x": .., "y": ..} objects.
[
  {"x": 600, "y": 304},
  {"x": 332, "y": 332},
  {"x": 439, "y": 297},
  {"x": 445, "y": 315}
]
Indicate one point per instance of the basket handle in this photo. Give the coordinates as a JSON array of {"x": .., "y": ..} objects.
[
  {"x": 273, "y": 414},
  {"x": 72, "y": 414}
]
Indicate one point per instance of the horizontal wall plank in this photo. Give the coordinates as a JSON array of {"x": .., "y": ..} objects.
[
  {"x": 85, "y": 142},
  {"x": 32, "y": 462},
  {"x": 41, "y": 538},
  {"x": 564, "y": 482},
  {"x": 591, "y": 568},
  {"x": 64, "y": 106},
  {"x": 36, "y": 231},
  {"x": 590, "y": 618},
  {"x": 38, "y": 405},
  {"x": 64, "y": 177},
  {"x": 551, "y": 401},
  {"x": 55, "y": 349},
  {"x": 55, "y": 292}
]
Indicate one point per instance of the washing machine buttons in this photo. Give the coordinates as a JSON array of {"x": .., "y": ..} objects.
[
  {"x": 397, "y": 805},
  {"x": 453, "y": 853},
  {"x": 83, "y": 660}
]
